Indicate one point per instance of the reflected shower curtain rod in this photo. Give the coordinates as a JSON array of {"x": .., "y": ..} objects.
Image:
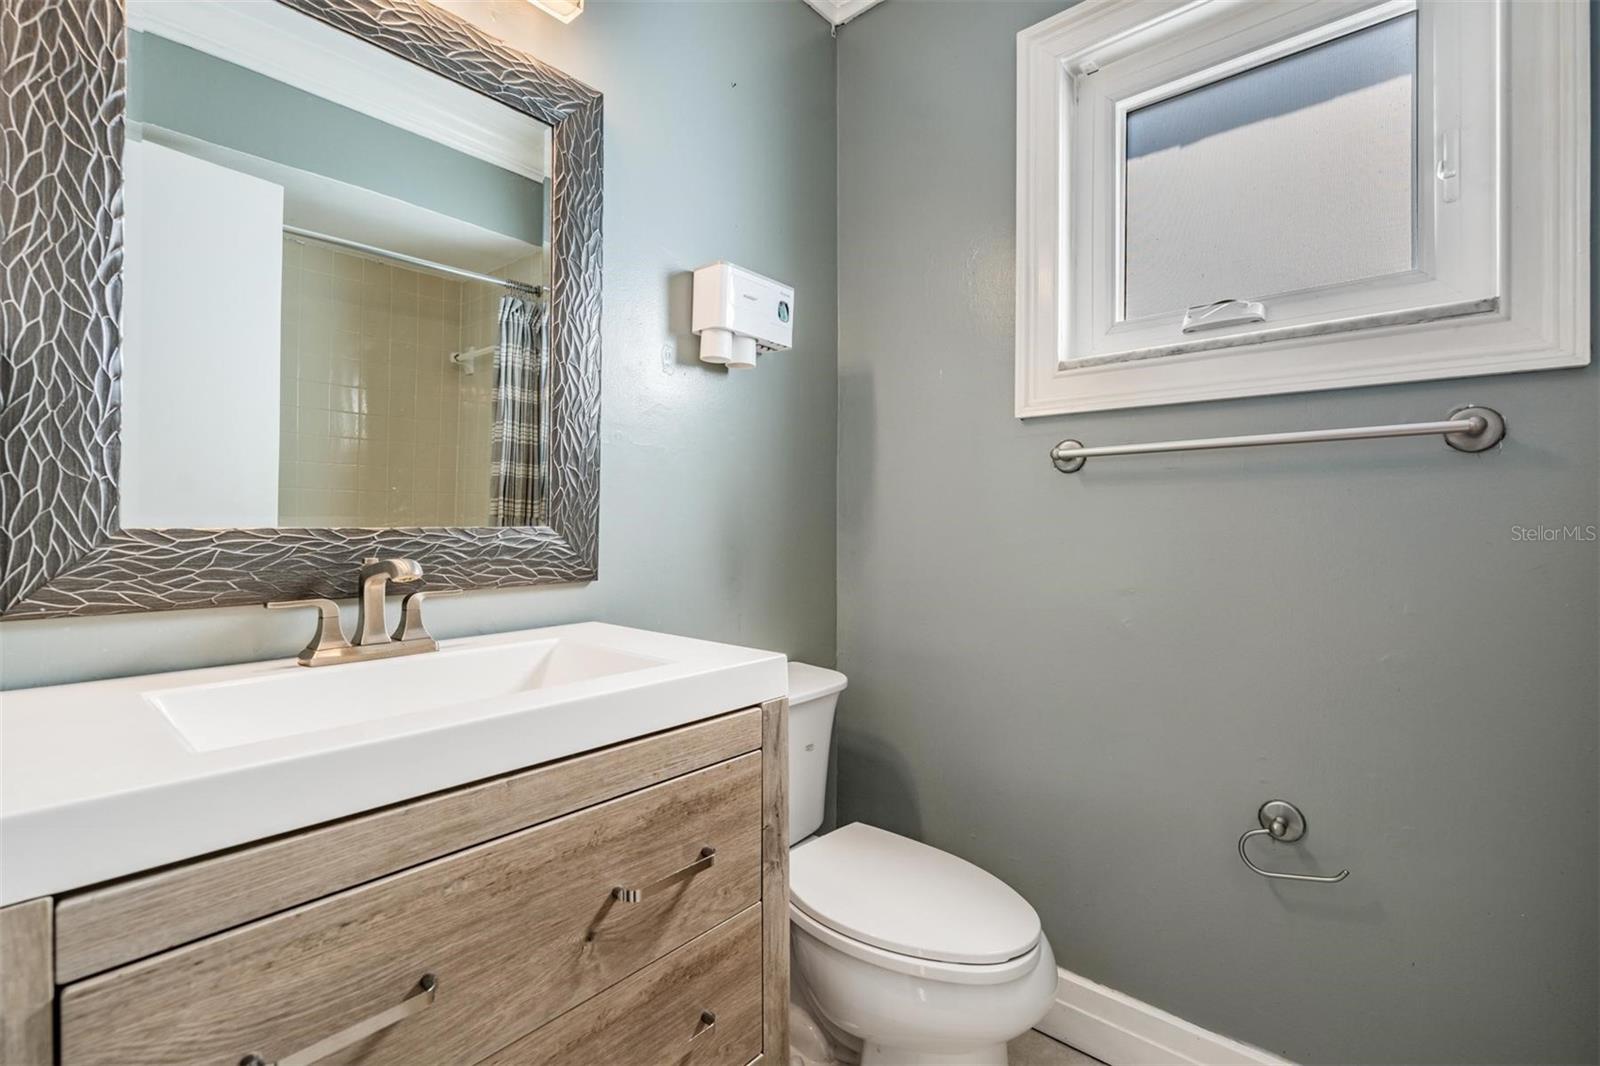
[{"x": 411, "y": 260}]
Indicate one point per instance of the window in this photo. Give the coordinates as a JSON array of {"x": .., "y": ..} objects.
[
  {"x": 1220, "y": 199},
  {"x": 1319, "y": 143}
]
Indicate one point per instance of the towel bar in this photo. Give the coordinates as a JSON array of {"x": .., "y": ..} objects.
[{"x": 1469, "y": 429}]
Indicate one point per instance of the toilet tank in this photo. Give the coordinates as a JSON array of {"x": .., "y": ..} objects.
[{"x": 813, "y": 695}]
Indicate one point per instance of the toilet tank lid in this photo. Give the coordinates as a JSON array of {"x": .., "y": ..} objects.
[
  {"x": 808, "y": 682},
  {"x": 903, "y": 896}
]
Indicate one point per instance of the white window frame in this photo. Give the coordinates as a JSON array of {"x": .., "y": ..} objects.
[{"x": 1501, "y": 278}]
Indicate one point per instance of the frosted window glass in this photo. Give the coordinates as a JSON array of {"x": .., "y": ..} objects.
[{"x": 1293, "y": 175}]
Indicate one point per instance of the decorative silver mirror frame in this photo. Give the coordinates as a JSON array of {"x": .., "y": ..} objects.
[{"x": 62, "y": 110}]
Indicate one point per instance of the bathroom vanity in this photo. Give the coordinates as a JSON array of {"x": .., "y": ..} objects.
[
  {"x": 584, "y": 860},
  {"x": 560, "y": 845}
]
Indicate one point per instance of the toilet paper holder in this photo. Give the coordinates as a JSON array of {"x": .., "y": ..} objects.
[{"x": 1282, "y": 822}]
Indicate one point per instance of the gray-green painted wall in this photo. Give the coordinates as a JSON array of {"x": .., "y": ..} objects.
[
  {"x": 1087, "y": 684},
  {"x": 717, "y": 502},
  {"x": 178, "y": 88}
]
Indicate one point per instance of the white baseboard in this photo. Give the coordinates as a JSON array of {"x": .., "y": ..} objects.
[{"x": 1122, "y": 1031}]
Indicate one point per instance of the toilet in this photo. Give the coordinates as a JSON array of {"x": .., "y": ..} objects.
[{"x": 902, "y": 954}]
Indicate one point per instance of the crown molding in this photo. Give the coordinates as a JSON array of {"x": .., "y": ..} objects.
[{"x": 838, "y": 12}]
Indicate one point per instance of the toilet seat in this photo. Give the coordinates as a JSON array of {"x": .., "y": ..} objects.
[
  {"x": 884, "y": 898},
  {"x": 954, "y": 973}
]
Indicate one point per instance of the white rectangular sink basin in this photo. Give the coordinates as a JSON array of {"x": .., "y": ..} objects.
[
  {"x": 104, "y": 779},
  {"x": 226, "y": 714}
]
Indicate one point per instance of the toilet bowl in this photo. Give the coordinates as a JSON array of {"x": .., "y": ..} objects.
[{"x": 902, "y": 954}]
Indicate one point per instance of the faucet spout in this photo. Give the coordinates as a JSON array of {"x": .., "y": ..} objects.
[{"x": 372, "y": 626}]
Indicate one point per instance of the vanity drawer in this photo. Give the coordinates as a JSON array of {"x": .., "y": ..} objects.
[
  {"x": 657, "y": 1015},
  {"x": 515, "y": 932},
  {"x": 101, "y": 928}
]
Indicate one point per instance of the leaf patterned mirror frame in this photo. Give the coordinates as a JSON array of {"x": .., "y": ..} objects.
[{"x": 63, "y": 65}]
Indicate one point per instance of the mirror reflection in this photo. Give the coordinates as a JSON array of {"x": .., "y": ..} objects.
[{"x": 335, "y": 283}]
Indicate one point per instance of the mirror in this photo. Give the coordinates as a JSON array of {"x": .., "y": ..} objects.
[
  {"x": 167, "y": 310},
  {"x": 335, "y": 283}
]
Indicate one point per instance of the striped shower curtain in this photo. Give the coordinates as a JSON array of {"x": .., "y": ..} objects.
[{"x": 516, "y": 491}]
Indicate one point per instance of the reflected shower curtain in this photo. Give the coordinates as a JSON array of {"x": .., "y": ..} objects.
[{"x": 515, "y": 491}]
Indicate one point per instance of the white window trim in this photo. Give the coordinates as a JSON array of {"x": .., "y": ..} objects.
[{"x": 1536, "y": 317}]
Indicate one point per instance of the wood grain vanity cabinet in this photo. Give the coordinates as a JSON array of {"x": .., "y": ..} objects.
[{"x": 487, "y": 924}]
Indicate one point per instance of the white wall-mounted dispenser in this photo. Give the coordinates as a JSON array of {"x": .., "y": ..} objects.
[{"x": 738, "y": 312}]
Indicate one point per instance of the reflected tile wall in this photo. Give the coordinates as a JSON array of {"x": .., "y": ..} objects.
[{"x": 372, "y": 410}]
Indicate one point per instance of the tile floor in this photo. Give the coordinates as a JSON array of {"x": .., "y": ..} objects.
[{"x": 1033, "y": 1048}]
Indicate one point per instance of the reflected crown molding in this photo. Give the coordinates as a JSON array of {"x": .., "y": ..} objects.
[{"x": 276, "y": 42}]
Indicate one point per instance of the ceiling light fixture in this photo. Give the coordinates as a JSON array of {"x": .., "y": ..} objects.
[{"x": 562, "y": 10}]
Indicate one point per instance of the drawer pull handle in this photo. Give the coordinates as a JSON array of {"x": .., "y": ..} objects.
[
  {"x": 635, "y": 895},
  {"x": 708, "y": 1021},
  {"x": 419, "y": 1000}
]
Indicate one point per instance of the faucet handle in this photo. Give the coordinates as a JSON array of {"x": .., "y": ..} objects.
[
  {"x": 410, "y": 627},
  {"x": 328, "y": 638}
]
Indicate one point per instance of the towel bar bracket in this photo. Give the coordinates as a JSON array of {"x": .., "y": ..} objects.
[
  {"x": 1068, "y": 464},
  {"x": 1492, "y": 433}
]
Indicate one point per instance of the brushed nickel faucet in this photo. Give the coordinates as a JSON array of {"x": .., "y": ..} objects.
[
  {"x": 371, "y": 625},
  {"x": 328, "y": 645}
]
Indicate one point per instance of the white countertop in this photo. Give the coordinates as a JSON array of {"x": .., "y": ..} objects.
[{"x": 97, "y": 782}]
